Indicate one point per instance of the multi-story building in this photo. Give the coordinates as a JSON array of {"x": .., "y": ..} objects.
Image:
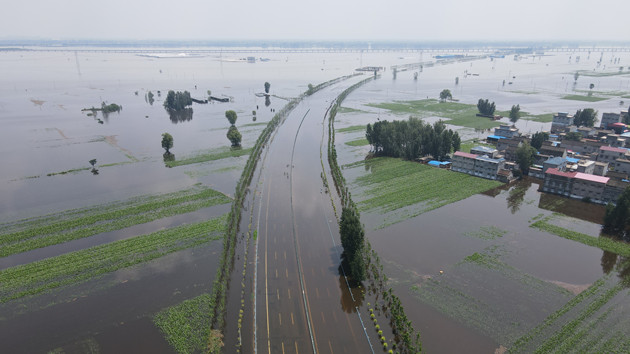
[
  {"x": 589, "y": 186},
  {"x": 463, "y": 162},
  {"x": 561, "y": 122},
  {"x": 583, "y": 147},
  {"x": 487, "y": 167},
  {"x": 610, "y": 118},
  {"x": 610, "y": 154},
  {"x": 558, "y": 182},
  {"x": 506, "y": 131},
  {"x": 484, "y": 150},
  {"x": 558, "y": 163},
  {"x": 613, "y": 190},
  {"x": 586, "y": 166}
]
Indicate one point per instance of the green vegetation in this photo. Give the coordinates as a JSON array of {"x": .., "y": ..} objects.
[
  {"x": 525, "y": 157},
  {"x": 412, "y": 139},
  {"x": 234, "y": 136},
  {"x": 209, "y": 156},
  {"x": 457, "y": 113},
  {"x": 465, "y": 294},
  {"x": 394, "y": 184},
  {"x": 466, "y": 146},
  {"x": 231, "y": 116},
  {"x": 515, "y": 113},
  {"x": 45, "y": 275},
  {"x": 186, "y": 326},
  {"x": 585, "y": 117},
  {"x": 358, "y": 142},
  {"x": 577, "y": 326},
  {"x": 616, "y": 219},
  {"x": 177, "y": 101},
  {"x": 584, "y": 98},
  {"x": 538, "y": 138},
  {"x": 446, "y": 95},
  {"x": 604, "y": 243},
  {"x": 349, "y": 110},
  {"x": 74, "y": 170},
  {"x": 485, "y": 107},
  {"x": 29, "y": 234},
  {"x": 487, "y": 233},
  {"x": 603, "y": 74},
  {"x": 109, "y": 108},
  {"x": 353, "y": 128},
  {"x": 352, "y": 240},
  {"x": 167, "y": 142}
]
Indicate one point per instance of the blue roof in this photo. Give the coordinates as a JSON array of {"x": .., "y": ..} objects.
[
  {"x": 555, "y": 161},
  {"x": 438, "y": 163},
  {"x": 496, "y": 137},
  {"x": 572, "y": 160}
]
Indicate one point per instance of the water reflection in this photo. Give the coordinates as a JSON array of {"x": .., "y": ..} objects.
[
  {"x": 517, "y": 195},
  {"x": 168, "y": 156},
  {"x": 609, "y": 259},
  {"x": 348, "y": 304},
  {"x": 267, "y": 101},
  {"x": 184, "y": 115}
]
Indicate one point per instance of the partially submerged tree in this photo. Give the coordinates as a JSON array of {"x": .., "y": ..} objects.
[
  {"x": 267, "y": 86},
  {"x": 446, "y": 95},
  {"x": 234, "y": 135},
  {"x": 167, "y": 142},
  {"x": 352, "y": 240},
  {"x": 177, "y": 101},
  {"x": 515, "y": 113},
  {"x": 231, "y": 116}
]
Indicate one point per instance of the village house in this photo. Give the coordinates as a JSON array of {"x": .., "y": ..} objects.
[
  {"x": 561, "y": 122},
  {"x": 506, "y": 131},
  {"x": 609, "y": 154}
]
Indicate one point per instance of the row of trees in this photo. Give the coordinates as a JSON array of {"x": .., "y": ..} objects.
[
  {"x": 352, "y": 240},
  {"x": 585, "y": 117},
  {"x": 412, "y": 138},
  {"x": 233, "y": 134}
]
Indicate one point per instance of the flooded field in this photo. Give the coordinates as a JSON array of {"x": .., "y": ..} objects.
[
  {"x": 470, "y": 253},
  {"x": 481, "y": 269}
]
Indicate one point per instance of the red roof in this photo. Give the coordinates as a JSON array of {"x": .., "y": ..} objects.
[
  {"x": 556, "y": 172},
  {"x": 613, "y": 149},
  {"x": 465, "y": 154},
  {"x": 592, "y": 178}
]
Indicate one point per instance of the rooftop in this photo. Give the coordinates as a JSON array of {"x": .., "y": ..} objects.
[
  {"x": 613, "y": 149},
  {"x": 465, "y": 154},
  {"x": 592, "y": 178}
]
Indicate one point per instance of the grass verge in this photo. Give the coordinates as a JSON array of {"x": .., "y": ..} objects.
[
  {"x": 28, "y": 234},
  {"x": 45, "y": 275},
  {"x": 359, "y": 142}
]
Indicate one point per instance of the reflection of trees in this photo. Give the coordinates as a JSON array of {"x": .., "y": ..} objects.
[
  {"x": 516, "y": 197},
  {"x": 623, "y": 269},
  {"x": 267, "y": 101},
  {"x": 347, "y": 304},
  {"x": 608, "y": 262},
  {"x": 184, "y": 115}
]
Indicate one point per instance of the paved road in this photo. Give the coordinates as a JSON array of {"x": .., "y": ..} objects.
[{"x": 302, "y": 303}]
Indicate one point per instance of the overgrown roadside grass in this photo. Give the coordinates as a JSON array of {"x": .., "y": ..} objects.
[
  {"x": 186, "y": 326},
  {"x": 45, "y": 275},
  {"x": 28, "y": 234},
  {"x": 454, "y": 113},
  {"x": 395, "y": 183},
  {"x": 604, "y": 243},
  {"x": 209, "y": 156}
]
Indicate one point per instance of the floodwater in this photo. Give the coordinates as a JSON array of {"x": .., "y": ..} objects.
[
  {"x": 45, "y": 132},
  {"x": 426, "y": 256}
]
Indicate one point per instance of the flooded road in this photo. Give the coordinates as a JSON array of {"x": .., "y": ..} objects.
[{"x": 299, "y": 302}]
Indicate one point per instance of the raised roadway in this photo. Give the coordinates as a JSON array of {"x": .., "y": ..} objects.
[{"x": 302, "y": 304}]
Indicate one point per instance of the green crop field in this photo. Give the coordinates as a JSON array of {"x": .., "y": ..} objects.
[
  {"x": 394, "y": 183},
  {"x": 358, "y": 142},
  {"x": 209, "y": 156},
  {"x": 186, "y": 326},
  {"x": 45, "y": 275},
  {"x": 353, "y": 128},
  {"x": 604, "y": 243},
  {"x": 28, "y": 234}
]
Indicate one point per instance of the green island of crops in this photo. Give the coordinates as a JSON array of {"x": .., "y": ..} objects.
[
  {"x": 349, "y": 110},
  {"x": 28, "y": 234},
  {"x": 209, "y": 156},
  {"x": 487, "y": 233},
  {"x": 602, "y": 74},
  {"x": 186, "y": 326},
  {"x": 352, "y": 128},
  {"x": 604, "y": 243},
  {"x": 595, "y": 321},
  {"x": 358, "y": 142},
  {"x": 454, "y": 113},
  {"x": 48, "y": 274},
  {"x": 584, "y": 98},
  {"x": 393, "y": 184}
]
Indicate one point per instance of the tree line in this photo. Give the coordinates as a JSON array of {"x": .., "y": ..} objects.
[{"x": 412, "y": 139}]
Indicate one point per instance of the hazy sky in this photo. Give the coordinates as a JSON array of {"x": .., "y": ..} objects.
[{"x": 406, "y": 20}]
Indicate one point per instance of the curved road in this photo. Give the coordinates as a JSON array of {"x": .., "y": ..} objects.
[{"x": 301, "y": 303}]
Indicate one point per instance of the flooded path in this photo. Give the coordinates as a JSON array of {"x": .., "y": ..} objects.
[{"x": 299, "y": 301}]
